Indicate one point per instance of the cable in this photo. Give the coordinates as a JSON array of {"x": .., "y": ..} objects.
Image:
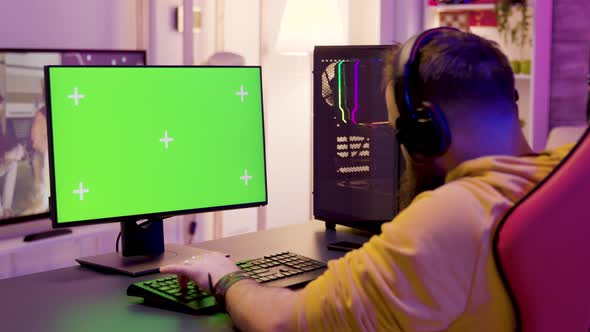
[
  {"x": 192, "y": 229},
  {"x": 117, "y": 243}
]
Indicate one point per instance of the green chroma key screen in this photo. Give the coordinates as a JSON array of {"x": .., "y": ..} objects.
[{"x": 141, "y": 141}]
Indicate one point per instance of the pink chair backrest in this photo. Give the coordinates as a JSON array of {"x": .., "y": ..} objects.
[{"x": 542, "y": 249}]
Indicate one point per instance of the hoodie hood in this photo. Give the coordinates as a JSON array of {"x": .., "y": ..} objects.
[{"x": 513, "y": 177}]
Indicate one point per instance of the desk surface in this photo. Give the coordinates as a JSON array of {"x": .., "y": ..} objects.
[{"x": 80, "y": 299}]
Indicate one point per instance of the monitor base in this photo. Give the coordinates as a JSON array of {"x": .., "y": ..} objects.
[{"x": 141, "y": 265}]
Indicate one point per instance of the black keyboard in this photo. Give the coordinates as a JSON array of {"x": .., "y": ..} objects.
[
  {"x": 166, "y": 293},
  {"x": 284, "y": 269}
]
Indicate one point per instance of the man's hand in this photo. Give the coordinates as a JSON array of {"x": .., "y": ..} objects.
[
  {"x": 252, "y": 307},
  {"x": 199, "y": 268}
]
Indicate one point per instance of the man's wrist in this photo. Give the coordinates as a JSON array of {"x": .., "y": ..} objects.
[{"x": 224, "y": 284}]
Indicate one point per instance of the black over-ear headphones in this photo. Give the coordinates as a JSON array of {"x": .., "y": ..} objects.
[{"x": 421, "y": 125}]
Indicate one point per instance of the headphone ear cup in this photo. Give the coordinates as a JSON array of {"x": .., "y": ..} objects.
[
  {"x": 403, "y": 130},
  {"x": 427, "y": 134},
  {"x": 436, "y": 129}
]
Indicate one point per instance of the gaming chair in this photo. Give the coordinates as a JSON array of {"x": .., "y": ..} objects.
[{"x": 542, "y": 249}]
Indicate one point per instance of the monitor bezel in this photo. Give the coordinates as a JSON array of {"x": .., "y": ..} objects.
[
  {"x": 136, "y": 217},
  {"x": 39, "y": 216}
]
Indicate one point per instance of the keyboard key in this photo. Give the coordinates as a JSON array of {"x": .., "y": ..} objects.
[{"x": 265, "y": 274}]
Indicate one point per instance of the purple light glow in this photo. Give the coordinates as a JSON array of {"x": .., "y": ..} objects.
[{"x": 356, "y": 90}]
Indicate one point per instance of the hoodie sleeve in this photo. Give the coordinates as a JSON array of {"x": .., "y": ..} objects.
[{"x": 415, "y": 276}]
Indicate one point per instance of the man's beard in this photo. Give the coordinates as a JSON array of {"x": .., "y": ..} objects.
[{"x": 418, "y": 178}]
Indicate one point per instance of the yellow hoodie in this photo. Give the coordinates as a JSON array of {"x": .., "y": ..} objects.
[{"x": 432, "y": 267}]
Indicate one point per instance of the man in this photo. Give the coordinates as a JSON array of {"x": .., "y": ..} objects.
[
  {"x": 40, "y": 163},
  {"x": 432, "y": 267},
  {"x": 11, "y": 152},
  {"x": 38, "y": 202}
]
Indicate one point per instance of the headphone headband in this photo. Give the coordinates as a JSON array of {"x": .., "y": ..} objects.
[
  {"x": 406, "y": 65},
  {"x": 422, "y": 127}
]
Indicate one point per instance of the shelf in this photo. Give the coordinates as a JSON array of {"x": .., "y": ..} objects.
[
  {"x": 8, "y": 246},
  {"x": 481, "y": 6}
]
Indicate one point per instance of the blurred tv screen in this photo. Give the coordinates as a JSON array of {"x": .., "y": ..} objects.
[{"x": 24, "y": 173}]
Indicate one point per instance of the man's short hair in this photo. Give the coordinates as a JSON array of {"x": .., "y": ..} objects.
[{"x": 459, "y": 66}]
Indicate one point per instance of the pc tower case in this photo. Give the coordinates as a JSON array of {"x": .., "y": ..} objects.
[{"x": 356, "y": 158}]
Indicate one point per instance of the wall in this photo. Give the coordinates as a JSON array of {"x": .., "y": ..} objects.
[
  {"x": 164, "y": 41},
  {"x": 68, "y": 24},
  {"x": 242, "y": 29},
  {"x": 406, "y": 20},
  {"x": 288, "y": 106},
  {"x": 287, "y": 101},
  {"x": 226, "y": 25},
  {"x": 569, "y": 64},
  {"x": 364, "y": 22},
  {"x": 241, "y": 34}
]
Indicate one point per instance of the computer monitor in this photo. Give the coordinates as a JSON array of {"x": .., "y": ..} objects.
[
  {"x": 357, "y": 161},
  {"x": 24, "y": 175},
  {"x": 134, "y": 143}
]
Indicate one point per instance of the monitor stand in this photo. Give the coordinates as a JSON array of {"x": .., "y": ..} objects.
[{"x": 142, "y": 251}]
